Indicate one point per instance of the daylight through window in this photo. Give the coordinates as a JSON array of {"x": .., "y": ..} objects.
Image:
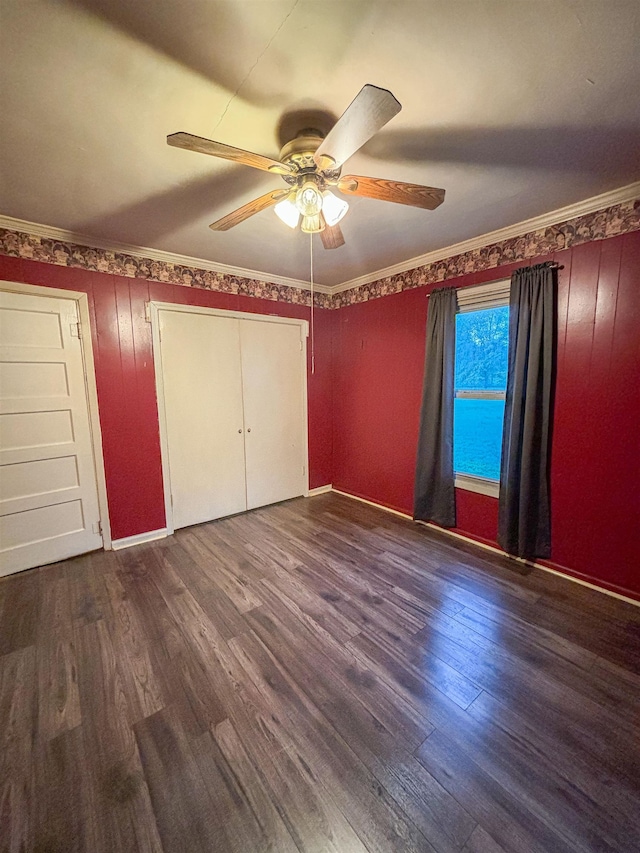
[{"x": 482, "y": 339}]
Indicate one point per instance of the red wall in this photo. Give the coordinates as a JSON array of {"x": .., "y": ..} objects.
[
  {"x": 378, "y": 364},
  {"x": 364, "y": 401},
  {"x": 126, "y": 382}
]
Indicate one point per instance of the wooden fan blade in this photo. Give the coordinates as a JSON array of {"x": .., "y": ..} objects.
[
  {"x": 332, "y": 236},
  {"x": 227, "y": 152},
  {"x": 370, "y": 110},
  {"x": 397, "y": 191},
  {"x": 247, "y": 210}
]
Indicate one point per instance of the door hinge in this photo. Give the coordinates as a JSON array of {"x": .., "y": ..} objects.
[
  {"x": 147, "y": 311},
  {"x": 300, "y": 346},
  {"x": 76, "y": 331}
]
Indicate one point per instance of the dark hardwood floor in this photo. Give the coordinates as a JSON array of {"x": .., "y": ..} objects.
[{"x": 315, "y": 676}]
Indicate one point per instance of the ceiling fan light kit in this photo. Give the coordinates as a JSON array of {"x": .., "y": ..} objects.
[
  {"x": 316, "y": 208},
  {"x": 311, "y": 163}
]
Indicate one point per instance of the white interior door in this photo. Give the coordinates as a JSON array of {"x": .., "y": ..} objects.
[
  {"x": 202, "y": 389},
  {"x": 273, "y": 384},
  {"x": 48, "y": 493}
]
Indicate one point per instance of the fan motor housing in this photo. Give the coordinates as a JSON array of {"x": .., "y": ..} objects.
[
  {"x": 299, "y": 151},
  {"x": 299, "y": 154}
]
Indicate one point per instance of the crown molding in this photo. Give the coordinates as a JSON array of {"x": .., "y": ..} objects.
[
  {"x": 618, "y": 196},
  {"x": 554, "y": 217},
  {"x": 50, "y": 232}
]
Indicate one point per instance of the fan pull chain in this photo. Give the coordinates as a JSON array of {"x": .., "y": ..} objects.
[{"x": 313, "y": 339}]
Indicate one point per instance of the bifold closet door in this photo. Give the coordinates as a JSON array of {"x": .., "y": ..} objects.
[
  {"x": 202, "y": 386},
  {"x": 273, "y": 385}
]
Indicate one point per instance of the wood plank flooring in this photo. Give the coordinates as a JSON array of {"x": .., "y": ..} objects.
[{"x": 315, "y": 676}]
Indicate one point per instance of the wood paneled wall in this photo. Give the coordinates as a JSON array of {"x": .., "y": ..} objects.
[
  {"x": 595, "y": 475},
  {"x": 364, "y": 400},
  {"x": 126, "y": 381}
]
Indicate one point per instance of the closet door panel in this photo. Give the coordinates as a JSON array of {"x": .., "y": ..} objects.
[
  {"x": 202, "y": 385},
  {"x": 273, "y": 388}
]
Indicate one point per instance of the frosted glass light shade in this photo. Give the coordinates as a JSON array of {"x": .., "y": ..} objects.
[
  {"x": 309, "y": 199},
  {"x": 312, "y": 224},
  {"x": 287, "y": 212},
  {"x": 333, "y": 208}
]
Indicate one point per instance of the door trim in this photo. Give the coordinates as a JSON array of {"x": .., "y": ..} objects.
[
  {"x": 88, "y": 364},
  {"x": 154, "y": 310}
]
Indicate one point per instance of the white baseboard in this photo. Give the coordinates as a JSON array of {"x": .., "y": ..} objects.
[
  {"x": 597, "y": 588},
  {"x": 138, "y": 539},
  {"x": 495, "y": 550},
  {"x": 320, "y": 490},
  {"x": 372, "y": 503}
]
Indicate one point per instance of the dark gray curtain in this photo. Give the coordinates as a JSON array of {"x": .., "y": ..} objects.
[
  {"x": 524, "y": 527},
  {"x": 434, "y": 498}
]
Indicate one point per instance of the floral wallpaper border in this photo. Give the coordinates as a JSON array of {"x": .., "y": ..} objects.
[
  {"x": 609, "y": 222},
  {"x": 617, "y": 219},
  {"x": 20, "y": 244}
]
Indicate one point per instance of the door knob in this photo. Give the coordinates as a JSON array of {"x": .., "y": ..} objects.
[
  {"x": 239, "y": 430},
  {"x": 249, "y": 430}
]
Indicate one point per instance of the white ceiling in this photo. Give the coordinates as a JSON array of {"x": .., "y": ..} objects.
[{"x": 515, "y": 107}]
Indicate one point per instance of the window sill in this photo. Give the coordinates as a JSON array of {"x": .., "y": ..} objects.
[{"x": 480, "y": 485}]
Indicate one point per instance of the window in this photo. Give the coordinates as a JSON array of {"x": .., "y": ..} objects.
[{"x": 482, "y": 340}]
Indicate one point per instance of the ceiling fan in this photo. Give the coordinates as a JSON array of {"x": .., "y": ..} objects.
[{"x": 311, "y": 165}]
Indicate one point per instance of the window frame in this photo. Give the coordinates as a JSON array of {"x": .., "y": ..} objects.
[{"x": 495, "y": 294}]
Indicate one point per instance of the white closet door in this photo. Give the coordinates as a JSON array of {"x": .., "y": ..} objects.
[
  {"x": 202, "y": 386},
  {"x": 48, "y": 494},
  {"x": 273, "y": 384}
]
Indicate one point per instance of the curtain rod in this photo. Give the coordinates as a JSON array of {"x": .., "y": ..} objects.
[{"x": 554, "y": 265}]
